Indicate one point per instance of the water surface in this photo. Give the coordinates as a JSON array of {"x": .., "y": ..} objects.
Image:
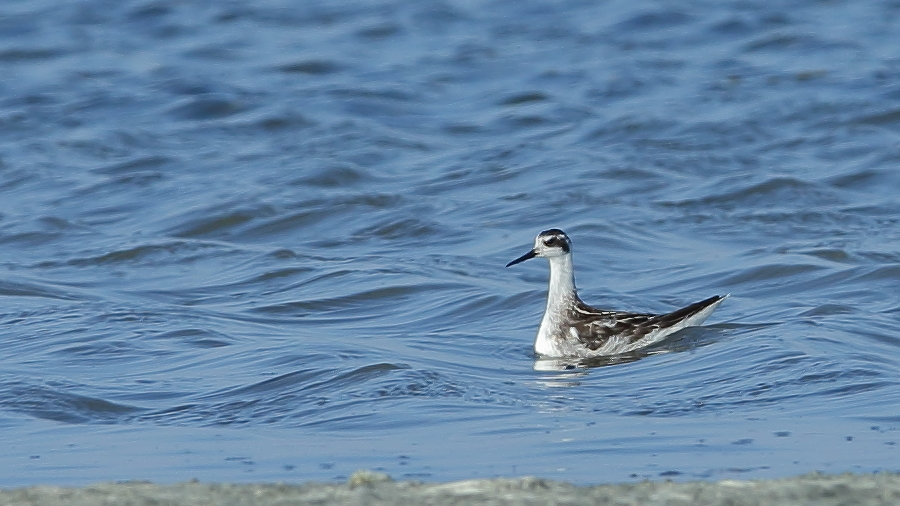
[{"x": 265, "y": 241}]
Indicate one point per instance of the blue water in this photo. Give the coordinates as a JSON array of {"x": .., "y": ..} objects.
[{"x": 265, "y": 241}]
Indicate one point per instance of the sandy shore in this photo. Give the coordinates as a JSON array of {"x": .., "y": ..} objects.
[{"x": 369, "y": 488}]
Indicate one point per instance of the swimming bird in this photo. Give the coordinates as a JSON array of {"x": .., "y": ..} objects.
[{"x": 571, "y": 328}]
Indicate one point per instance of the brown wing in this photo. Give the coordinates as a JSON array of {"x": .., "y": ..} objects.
[
  {"x": 669, "y": 319},
  {"x": 596, "y": 327}
]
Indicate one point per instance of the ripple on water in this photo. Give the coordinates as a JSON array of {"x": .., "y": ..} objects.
[
  {"x": 332, "y": 398},
  {"x": 56, "y": 401}
]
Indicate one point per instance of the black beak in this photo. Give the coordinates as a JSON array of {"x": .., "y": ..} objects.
[{"x": 526, "y": 256}]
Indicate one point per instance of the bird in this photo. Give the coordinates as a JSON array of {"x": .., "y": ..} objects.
[{"x": 571, "y": 328}]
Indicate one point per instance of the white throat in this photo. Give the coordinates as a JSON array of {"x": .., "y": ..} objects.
[
  {"x": 560, "y": 298},
  {"x": 562, "y": 282}
]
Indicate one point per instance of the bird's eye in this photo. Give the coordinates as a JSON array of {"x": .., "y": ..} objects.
[{"x": 550, "y": 241}]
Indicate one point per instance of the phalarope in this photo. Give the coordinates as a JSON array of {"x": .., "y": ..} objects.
[{"x": 571, "y": 328}]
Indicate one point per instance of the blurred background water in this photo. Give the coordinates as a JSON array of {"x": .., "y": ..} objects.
[{"x": 260, "y": 241}]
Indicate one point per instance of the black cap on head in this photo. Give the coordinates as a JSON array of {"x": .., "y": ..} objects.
[{"x": 556, "y": 238}]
